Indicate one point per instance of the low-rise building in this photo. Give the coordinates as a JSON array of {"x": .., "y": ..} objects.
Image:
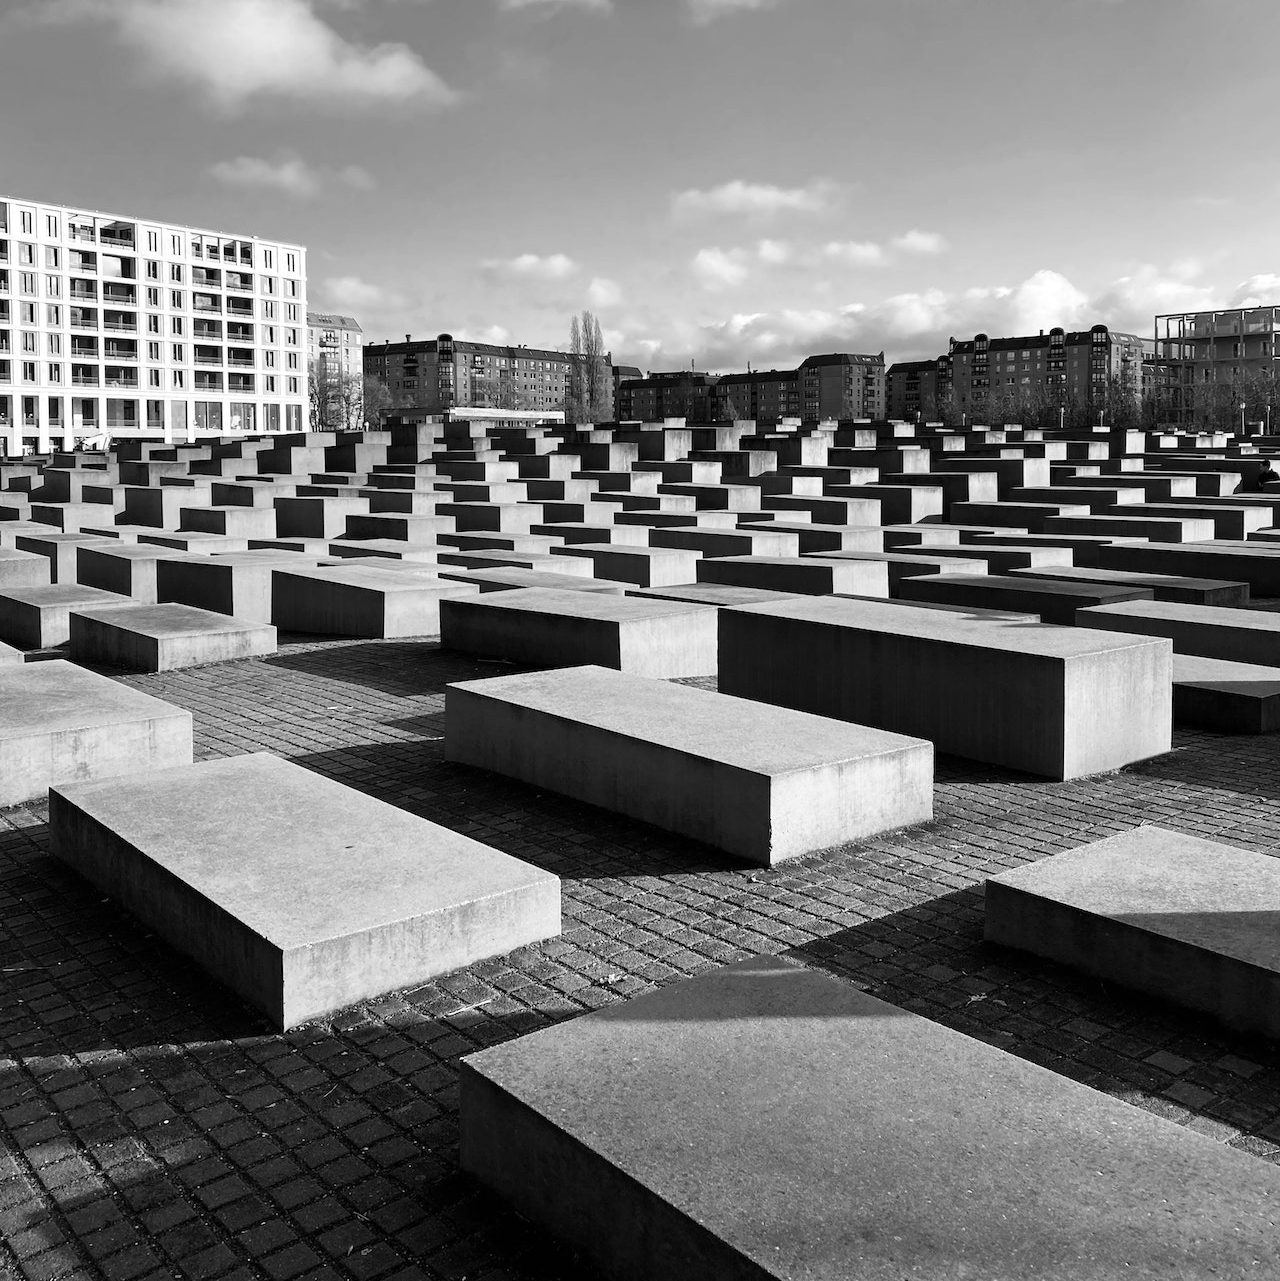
[{"x": 335, "y": 364}]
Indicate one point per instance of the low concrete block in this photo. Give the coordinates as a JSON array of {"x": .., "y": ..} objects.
[
  {"x": 157, "y": 638},
  {"x": 361, "y": 600},
  {"x": 39, "y": 617},
  {"x": 1053, "y": 601},
  {"x": 60, "y": 723},
  {"x": 1226, "y": 697},
  {"x": 1189, "y": 591},
  {"x": 767, "y": 1121},
  {"x": 643, "y": 566},
  {"x": 966, "y": 683},
  {"x": 762, "y": 783},
  {"x": 23, "y": 569},
  {"x": 801, "y": 575},
  {"x": 126, "y": 569},
  {"x": 548, "y": 628},
  {"x": 1176, "y": 916},
  {"x": 1238, "y": 635},
  {"x": 300, "y": 894}
]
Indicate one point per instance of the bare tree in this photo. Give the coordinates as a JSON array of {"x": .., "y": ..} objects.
[
  {"x": 378, "y": 401},
  {"x": 587, "y": 398}
]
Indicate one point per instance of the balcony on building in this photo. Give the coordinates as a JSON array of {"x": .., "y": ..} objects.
[
  {"x": 82, "y": 260},
  {"x": 4, "y": 251},
  {"x": 4, "y": 281},
  {"x": 121, "y": 234},
  {"x": 120, "y": 321},
  {"x": 114, "y": 267},
  {"x": 240, "y": 357},
  {"x": 84, "y": 318},
  {"x": 85, "y": 289},
  {"x": 80, "y": 231},
  {"x": 84, "y": 375},
  {"x": 120, "y": 295},
  {"x": 207, "y": 355},
  {"x": 120, "y": 349},
  {"x": 85, "y": 348},
  {"x": 240, "y": 280},
  {"x": 206, "y": 277},
  {"x": 206, "y": 302},
  {"x": 239, "y": 306},
  {"x": 238, "y": 331},
  {"x": 204, "y": 328},
  {"x": 119, "y": 376},
  {"x": 208, "y": 381},
  {"x": 240, "y": 382}
]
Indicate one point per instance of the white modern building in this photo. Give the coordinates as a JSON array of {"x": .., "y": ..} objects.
[{"x": 124, "y": 326}]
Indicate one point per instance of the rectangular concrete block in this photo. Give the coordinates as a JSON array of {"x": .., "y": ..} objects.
[
  {"x": 23, "y": 568},
  {"x": 39, "y": 617},
  {"x": 60, "y": 724},
  {"x": 800, "y": 575},
  {"x": 1185, "y": 919},
  {"x": 1054, "y": 601},
  {"x": 1101, "y": 700},
  {"x": 767, "y": 1121},
  {"x": 362, "y": 600},
  {"x": 549, "y": 628},
  {"x": 1226, "y": 697},
  {"x": 762, "y": 783},
  {"x": 300, "y": 894},
  {"x": 158, "y": 638},
  {"x": 1238, "y": 635}
]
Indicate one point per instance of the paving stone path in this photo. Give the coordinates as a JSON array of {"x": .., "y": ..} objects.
[{"x": 152, "y": 1126}]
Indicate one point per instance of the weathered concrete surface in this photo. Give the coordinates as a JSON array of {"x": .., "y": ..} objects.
[
  {"x": 158, "y": 638},
  {"x": 239, "y": 584},
  {"x": 766, "y": 1121},
  {"x": 361, "y": 600},
  {"x": 723, "y": 594},
  {"x": 1189, "y": 591},
  {"x": 301, "y": 894},
  {"x": 763, "y": 783},
  {"x": 1226, "y": 697},
  {"x": 1238, "y": 635},
  {"x": 1054, "y": 601},
  {"x": 800, "y": 575},
  {"x": 544, "y": 627},
  {"x": 60, "y": 723},
  {"x": 23, "y": 568},
  {"x": 643, "y": 566},
  {"x": 1176, "y": 916},
  {"x": 38, "y": 617},
  {"x": 1057, "y": 701}
]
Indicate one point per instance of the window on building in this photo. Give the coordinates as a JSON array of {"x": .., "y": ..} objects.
[
  {"x": 175, "y": 325},
  {"x": 179, "y": 379},
  {"x": 53, "y": 313},
  {"x": 55, "y": 372},
  {"x": 28, "y": 371},
  {"x": 55, "y": 344},
  {"x": 153, "y": 270},
  {"x": 175, "y": 273},
  {"x": 176, "y": 299},
  {"x": 293, "y": 386},
  {"x": 178, "y": 352},
  {"x": 52, "y": 256}
]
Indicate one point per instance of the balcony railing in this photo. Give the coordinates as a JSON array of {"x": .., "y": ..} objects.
[
  {"x": 83, "y": 380},
  {"x": 207, "y": 360},
  {"x": 240, "y": 362},
  {"x": 130, "y": 383},
  {"x": 120, "y": 355}
]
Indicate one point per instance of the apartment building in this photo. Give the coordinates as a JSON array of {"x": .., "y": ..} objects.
[
  {"x": 335, "y": 366},
  {"x": 442, "y": 374},
  {"x": 913, "y": 386},
  {"x": 834, "y": 386},
  {"x": 128, "y": 326},
  {"x": 1215, "y": 365}
]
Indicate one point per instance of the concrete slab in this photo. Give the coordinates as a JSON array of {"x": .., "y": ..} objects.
[
  {"x": 762, "y": 783},
  {"x": 1238, "y": 635},
  {"x": 964, "y": 683},
  {"x": 1241, "y": 562},
  {"x": 239, "y": 584},
  {"x": 642, "y": 566},
  {"x": 299, "y": 893},
  {"x": 1189, "y": 591},
  {"x": 158, "y": 638},
  {"x": 725, "y": 595},
  {"x": 23, "y": 568},
  {"x": 361, "y": 600},
  {"x": 863, "y": 574},
  {"x": 1054, "y": 601},
  {"x": 543, "y": 627},
  {"x": 1226, "y": 697},
  {"x": 39, "y": 617},
  {"x": 513, "y": 578},
  {"x": 1176, "y": 916},
  {"x": 60, "y": 551},
  {"x": 127, "y": 569},
  {"x": 767, "y": 1121},
  {"x": 60, "y": 723}
]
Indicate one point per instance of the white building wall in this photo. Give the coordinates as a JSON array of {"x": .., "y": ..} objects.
[{"x": 117, "y": 324}]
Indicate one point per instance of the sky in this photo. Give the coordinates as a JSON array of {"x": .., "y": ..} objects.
[{"x": 722, "y": 182}]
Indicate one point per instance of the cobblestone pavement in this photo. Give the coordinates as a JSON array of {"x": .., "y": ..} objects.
[{"x": 154, "y": 1127}]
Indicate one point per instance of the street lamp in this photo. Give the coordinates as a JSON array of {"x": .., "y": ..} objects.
[{"x": 1242, "y": 431}]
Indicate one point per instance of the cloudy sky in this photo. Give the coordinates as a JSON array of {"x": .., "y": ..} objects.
[{"x": 721, "y": 181}]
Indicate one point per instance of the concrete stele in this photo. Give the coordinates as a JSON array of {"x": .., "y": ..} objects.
[
  {"x": 763, "y": 783},
  {"x": 299, "y": 893},
  {"x": 767, "y": 1121},
  {"x": 1175, "y": 916},
  {"x": 158, "y": 638}
]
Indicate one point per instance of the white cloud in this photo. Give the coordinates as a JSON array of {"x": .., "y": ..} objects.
[
  {"x": 919, "y": 242},
  {"x": 705, "y": 11},
  {"x": 495, "y": 334},
  {"x": 532, "y": 266},
  {"x": 554, "y": 6},
  {"x": 1262, "y": 290},
  {"x": 754, "y": 199},
  {"x": 720, "y": 268},
  {"x": 854, "y": 253},
  {"x": 776, "y": 253},
  {"x": 288, "y": 174},
  {"x": 351, "y": 293},
  {"x": 240, "y": 51},
  {"x": 603, "y": 292}
]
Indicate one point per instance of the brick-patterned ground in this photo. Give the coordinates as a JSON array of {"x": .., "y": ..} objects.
[{"x": 154, "y": 1127}]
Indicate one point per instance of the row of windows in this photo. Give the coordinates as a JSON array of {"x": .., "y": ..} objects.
[{"x": 88, "y": 376}]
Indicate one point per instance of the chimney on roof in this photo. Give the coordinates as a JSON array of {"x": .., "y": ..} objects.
[{"x": 408, "y": 337}]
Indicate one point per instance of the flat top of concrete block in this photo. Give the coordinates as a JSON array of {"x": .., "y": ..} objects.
[
  {"x": 1084, "y": 573},
  {"x": 135, "y": 551},
  {"x": 551, "y": 600},
  {"x": 755, "y": 737},
  {"x": 55, "y": 537},
  {"x": 45, "y": 698},
  {"x": 1067, "y": 590},
  {"x": 295, "y": 856},
  {"x": 164, "y": 622},
  {"x": 1214, "y": 896},
  {"x": 901, "y": 619},
  {"x": 1258, "y": 620},
  {"x": 711, "y": 594},
  {"x": 55, "y": 594},
  {"x": 630, "y": 549},
  {"x": 1224, "y": 673},
  {"x": 373, "y": 574},
  {"x": 824, "y": 1134},
  {"x": 514, "y": 577},
  {"x": 14, "y": 553}
]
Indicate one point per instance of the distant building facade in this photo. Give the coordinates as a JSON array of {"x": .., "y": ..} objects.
[
  {"x": 335, "y": 364},
  {"x": 442, "y": 374},
  {"x": 913, "y": 387},
  {"x": 834, "y": 386},
  {"x": 1211, "y": 361},
  {"x": 124, "y": 325}
]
